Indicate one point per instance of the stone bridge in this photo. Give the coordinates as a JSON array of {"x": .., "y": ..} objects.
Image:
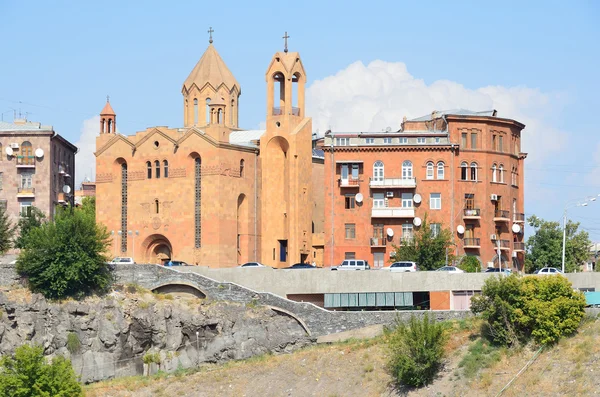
[{"x": 316, "y": 321}]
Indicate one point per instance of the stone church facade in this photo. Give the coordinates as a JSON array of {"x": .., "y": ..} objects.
[{"x": 210, "y": 193}]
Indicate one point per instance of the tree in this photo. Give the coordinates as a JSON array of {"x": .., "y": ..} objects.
[
  {"x": 7, "y": 232},
  {"x": 416, "y": 351},
  {"x": 33, "y": 218},
  {"x": 470, "y": 264},
  {"x": 28, "y": 374},
  {"x": 88, "y": 204},
  {"x": 427, "y": 249},
  {"x": 544, "y": 247},
  {"x": 66, "y": 257}
]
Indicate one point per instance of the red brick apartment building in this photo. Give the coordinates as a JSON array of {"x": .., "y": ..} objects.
[{"x": 461, "y": 169}]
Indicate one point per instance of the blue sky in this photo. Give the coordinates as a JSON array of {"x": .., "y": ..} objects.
[{"x": 534, "y": 61}]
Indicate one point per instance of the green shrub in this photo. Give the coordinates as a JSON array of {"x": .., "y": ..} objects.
[
  {"x": 517, "y": 309},
  {"x": 73, "y": 343},
  {"x": 481, "y": 354},
  {"x": 470, "y": 264},
  {"x": 28, "y": 374},
  {"x": 416, "y": 351}
]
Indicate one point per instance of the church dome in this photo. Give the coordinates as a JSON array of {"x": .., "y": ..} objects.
[{"x": 211, "y": 69}]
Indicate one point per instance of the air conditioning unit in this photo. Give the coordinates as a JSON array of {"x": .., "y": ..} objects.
[
  {"x": 14, "y": 145},
  {"x": 494, "y": 197},
  {"x": 389, "y": 194},
  {"x": 493, "y": 237}
]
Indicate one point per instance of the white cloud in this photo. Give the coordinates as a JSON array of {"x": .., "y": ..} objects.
[
  {"x": 85, "y": 161},
  {"x": 379, "y": 95}
]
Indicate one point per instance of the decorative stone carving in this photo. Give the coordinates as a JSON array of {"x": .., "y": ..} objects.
[
  {"x": 136, "y": 175},
  {"x": 177, "y": 173},
  {"x": 104, "y": 178}
]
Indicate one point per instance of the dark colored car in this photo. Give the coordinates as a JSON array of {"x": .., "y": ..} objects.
[
  {"x": 498, "y": 270},
  {"x": 301, "y": 266}
]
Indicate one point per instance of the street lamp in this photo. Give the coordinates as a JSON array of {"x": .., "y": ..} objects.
[
  {"x": 133, "y": 234},
  {"x": 67, "y": 190},
  {"x": 580, "y": 203}
]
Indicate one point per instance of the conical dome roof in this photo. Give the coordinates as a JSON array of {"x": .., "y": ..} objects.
[
  {"x": 211, "y": 69},
  {"x": 107, "y": 110}
]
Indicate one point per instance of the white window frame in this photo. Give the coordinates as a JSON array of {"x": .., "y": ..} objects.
[
  {"x": 440, "y": 170},
  {"x": 378, "y": 170},
  {"x": 369, "y": 141},
  {"x": 403, "y": 140},
  {"x": 421, "y": 140},
  {"x": 342, "y": 141},
  {"x": 435, "y": 201},
  {"x": 494, "y": 175},
  {"x": 407, "y": 169},
  {"x": 26, "y": 180},
  {"x": 387, "y": 140},
  {"x": 407, "y": 200},
  {"x": 355, "y": 170},
  {"x": 407, "y": 231},
  {"x": 429, "y": 173},
  {"x": 474, "y": 175},
  {"x": 435, "y": 228},
  {"x": 378, "y": 200},
  {"x": 501, "y": 172},
  {"x": 23, "y": 205},
  {"x": 464, "y": 171}
]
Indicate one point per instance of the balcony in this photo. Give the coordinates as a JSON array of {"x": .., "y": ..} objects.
[
  {"x": 393, "y": 212},
  {"x": 25, "y": 161},
  {"x": 377, "y": 241},
  {"x": 504, "y": 244},
  {"x": 279, "y": 112},
  {"x": 471, "y": 213},
  {"x": 25, "y": 192},
  {"x": 518, "y": 247},
  {"x": 351, "y": 182},
  {"x": 393, "y": 183},
  {"x": 519, "y": 217},
  {"x": 471, "y": 243},
  {"x": 501, "y": 216}
]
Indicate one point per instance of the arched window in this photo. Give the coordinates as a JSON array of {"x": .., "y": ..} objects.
[
  {"x": 231, "y": 113},
  {"x": 378, "y": 171},
  {"x": 440, "y": 170},
  {"x": 166, "y": 168},
  {"x": 149, "y": 166},
  {"x": 501, "y": 171},
  {"x": 464, "y": 170},
  {"x": 195, "y": 111},
  {"x": 27, "y": 153},
  {"x": 207, "y": 111},
  {"x": 241, "y": 168},
  {"x": 473, "y": 171},
  {"x": 157, "y": 167},
  {"x": 220, "y": 116},
  {"x": 407, "y": 170},
  {"x": 156, "y": 206},
  {"x": 494, "y": 176},
  {"x": 429, "y": 174}
]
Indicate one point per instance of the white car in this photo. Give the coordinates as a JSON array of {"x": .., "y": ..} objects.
[
  {"x": 123, "y": 260},
  {"x": 402, "y": 266},
  {"x": 353, "y": 264},
  {"x": 450, "y": 269},
  {"x": 252, "y": 264},
  {"x": 548, "y": 270}
]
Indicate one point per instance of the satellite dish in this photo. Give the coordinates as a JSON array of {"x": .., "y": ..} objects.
[
  {"x": 388, "y": 129},
  {"x": 516, "y": 228},
  {"x": 417, "y": 221},
  {"x": 9, "y": 151},
  {"x": 358, "y": 197},
  {"x": 417, "y": 198},
  {"x": 390, "y": 232},
  {"x": 66, "y": 189},
  {"x": 460, "y": 229},
  {"x": 39, "y": 152}
]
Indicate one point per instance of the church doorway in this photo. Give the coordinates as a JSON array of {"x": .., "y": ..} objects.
[{"x": 157, "y": 249}]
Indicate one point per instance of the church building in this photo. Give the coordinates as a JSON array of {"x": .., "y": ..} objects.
[{"x": 211, "y": 193}]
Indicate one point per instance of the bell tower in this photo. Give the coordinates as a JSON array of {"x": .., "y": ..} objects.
[{"x": 108, "y": 119}]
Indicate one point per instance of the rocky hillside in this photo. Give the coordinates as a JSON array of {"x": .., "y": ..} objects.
[{"x": 110, "y": 337}]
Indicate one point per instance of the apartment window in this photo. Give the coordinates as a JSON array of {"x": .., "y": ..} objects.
[
  {"x": 26, "y": 180},
  {"x": 25, "y": 209},
  {"x": 349, "y": 255},
  {"x": 342, "y": 141},
  {"x": 436, "y": 228},
  {"x": 473, "y": 140},
  {"x": 435, "y": 201},
  {"x": 378, "y": 171},
  {"x": 350, "y": 201},
  {"x": 501, "y": 172},
  {"x": 440, "y": 170},
  {"x": 463, "y": 140},
  {"x": 407, "y": 232},
  {"x": 355, "y": 171},
  {"x": 464, "y": 171},
  {"x": 350, "y": 230},
  {"x": 369, "y": 141},
  {"x": 407, "y": 170},
  {"x": 149, "y": 167},
  {"x": 469, "y": 201},
  {"x": 403, "y": 140},
  {"x": 378, "y": 200},
  {"x": 421, "y": 140},
  {"x": 378, "y": 230},
  {"x": 494, "y": 175},
  {"x": 494, "y": 142},
  {"x": 407, "y": 200},
  {"x": 500, "y": 143},
  {"x": 473, "y": 171},
  {"x": 157, "y": 166},
  {"x": 387, "y": 140},
  {"x": 241, "y": 168},
  {"x": 430, "y": 170}
]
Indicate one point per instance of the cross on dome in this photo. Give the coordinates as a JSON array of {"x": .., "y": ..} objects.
[
  {"x": 210, "y": 32},
  {"x": 285, "y": 49}
]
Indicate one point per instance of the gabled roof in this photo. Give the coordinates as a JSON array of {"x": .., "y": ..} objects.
[
  {"x": 155, "y": 131},
  {"x": 115, "y": 139},
  {"x": 211, "y": 69}
]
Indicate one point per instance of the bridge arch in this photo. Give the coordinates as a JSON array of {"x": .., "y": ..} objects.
[
  {"x": 292, "y": 315},
  {"x": 179, "y": 288}
]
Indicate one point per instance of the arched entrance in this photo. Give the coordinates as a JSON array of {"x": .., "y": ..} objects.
[{"x": 157, "y": 249}]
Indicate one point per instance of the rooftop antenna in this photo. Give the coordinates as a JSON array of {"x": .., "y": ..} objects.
[{"x": 388, "y": 129}]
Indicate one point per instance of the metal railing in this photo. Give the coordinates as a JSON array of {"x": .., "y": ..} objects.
[
  {"x": 348, "y": 182},
  {"x": 377, "y": 241},
  {"x": 504, "y": 243},
  {"x": 501, "y": 214},
  {"x": 393, "y": 182},
  {"x": 25, "y": 160},
  {"x": 519, "y": 217},
  {"x": 277, "y": 111},
  {"x": 471, "y": 212},
  {"x": 518, "y": 246},
  {"x": 472, "y": 242},
  {"x": 393, "y": 212},
  {"x": 25, "y": 190}
]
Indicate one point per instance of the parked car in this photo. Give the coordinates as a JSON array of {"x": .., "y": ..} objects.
[
  {"x": 124, "y": 260},
  {"x": 402, "y": 266},
  {"x": 252, "y": 264},
  {"x": 498, "y": 270},
  {"x": 301, "y": 266},
  {"x": 352, "y": 264},
  {"x": 548, "y": 270},
  {"x": 450, "y": 269},
  {"x": 176, "y": 263}
]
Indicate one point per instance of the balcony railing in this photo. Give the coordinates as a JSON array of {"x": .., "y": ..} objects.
[
  {"x": 350, "y": 182},
  {"x": 393, "y": 212},
  {"x": 393, "y": 182},
  {"x": 26, "y": 191},
  {"x": 519, "y": 217},
  {"x": 473, "y": 213},
  {"x": 517, "y": 246},
  {"x": 279, "y": 111},
  {"x": 501, "y": 215},
  {"x": 26, "y": 161},
  {"x": 504, "y": 244},
  {"x": 472, "y": 242},
  {"x": 377, "y": 241}
]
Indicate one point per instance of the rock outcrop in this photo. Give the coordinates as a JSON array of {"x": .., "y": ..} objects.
[{"x": 109, "y": 337}]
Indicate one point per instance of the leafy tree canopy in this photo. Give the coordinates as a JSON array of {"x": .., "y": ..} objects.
[
  {"x": 427, "y": 249},
  {"x": 88, "y": 205},
  {"x": 28, "y": 374},
  {"x": 7, "y": 232},
  {"x": 470, "y": 264},
  {"x": 66, "y": 257},
  {"x": 544, "y": 247},
  {"x": 33, "y": 218}
]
